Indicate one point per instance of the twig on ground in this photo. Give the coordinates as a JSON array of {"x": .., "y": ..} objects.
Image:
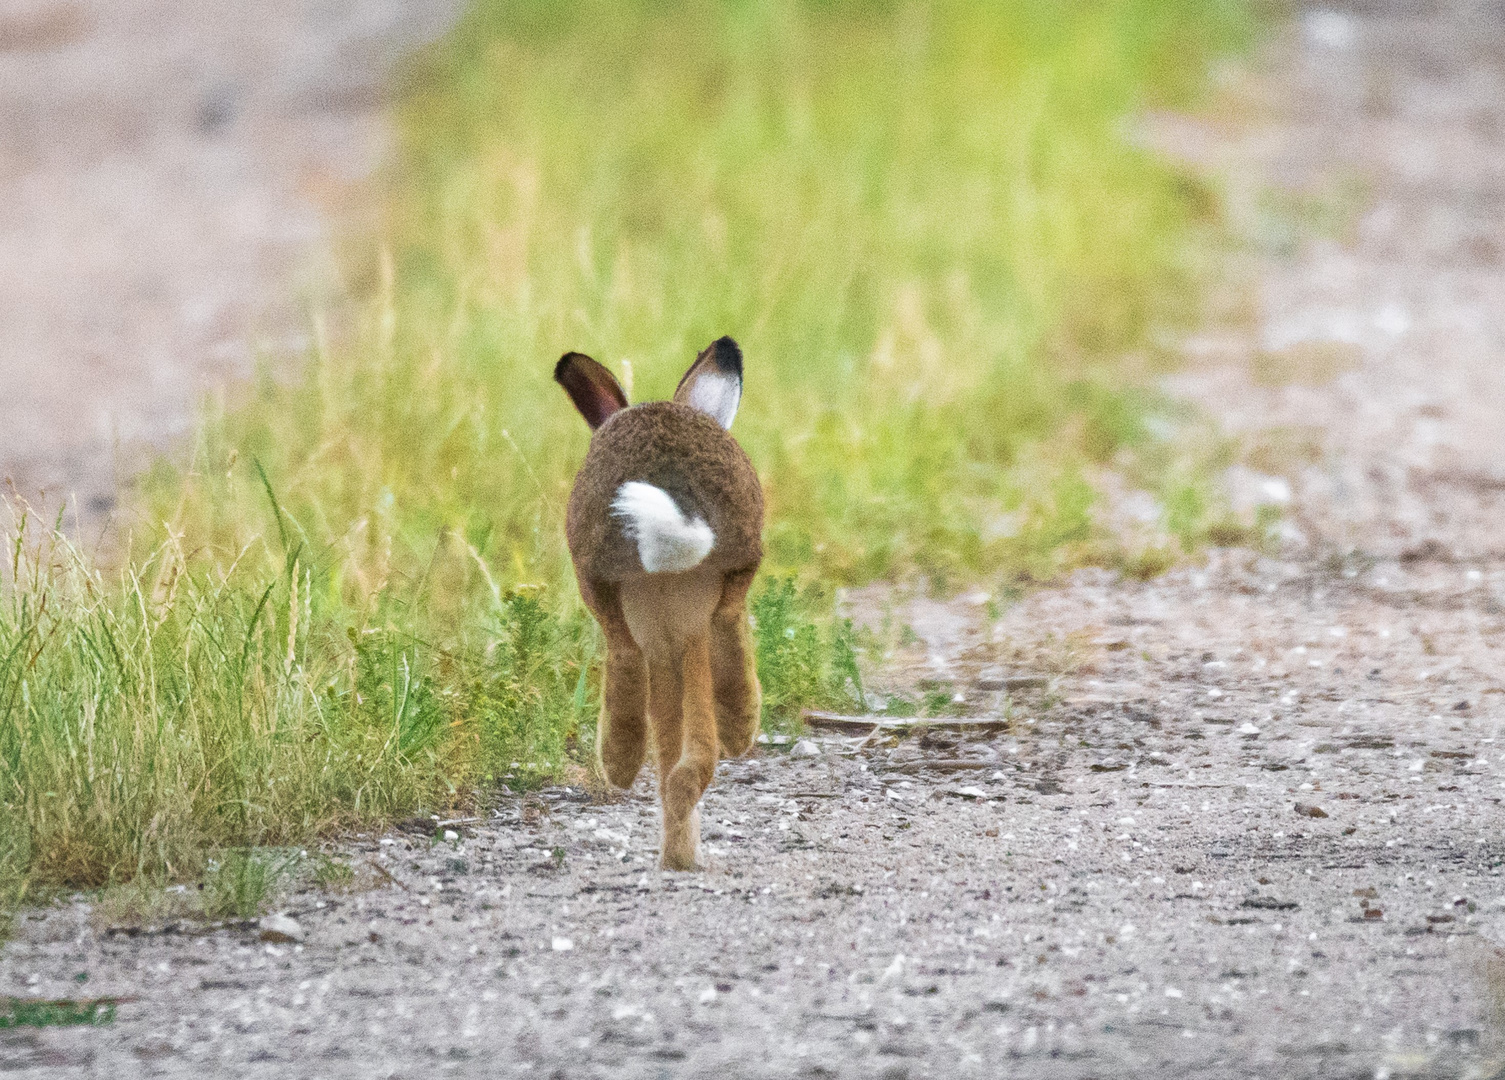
[
  {"x": 939, "y": 765},
  {"x": 1014, "y": 682},
  {"x": 873, "y": 725},
  {"x": 384, "y": 872}
]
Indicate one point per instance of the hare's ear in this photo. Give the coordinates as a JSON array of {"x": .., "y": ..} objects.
[
  {"x": 594, "y": 390},
  {"x": 714, "y": 382}
]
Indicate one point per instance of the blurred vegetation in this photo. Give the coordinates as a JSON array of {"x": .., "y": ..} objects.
[
  {"x": 928, "y": 226},
  {"x": 805, "y": 658},
  {"x": 944, "y": 259}
]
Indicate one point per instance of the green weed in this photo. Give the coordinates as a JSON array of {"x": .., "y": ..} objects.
[
  {"x": 25, "y": 1012},
  {"x": 185, "y": 707},
  {"x": 531, "y": 689},
  {"x": 241, "y": 882},
  {"x": 333, "y": 873},
  {"x": 937, "y": 702},
  {"x": 804, "y": 657}
]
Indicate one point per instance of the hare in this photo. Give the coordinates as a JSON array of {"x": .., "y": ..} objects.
[{"x": 665, "y": 529}]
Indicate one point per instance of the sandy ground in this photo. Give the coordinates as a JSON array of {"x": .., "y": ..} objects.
[
  {"x": 1249, "y": 826},
  {"x": 165, "y": 168}
]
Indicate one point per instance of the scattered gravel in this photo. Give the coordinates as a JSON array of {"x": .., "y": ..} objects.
[
  {"x": 1242, "y": 821},
  {"x": 1127, "y": 882}
]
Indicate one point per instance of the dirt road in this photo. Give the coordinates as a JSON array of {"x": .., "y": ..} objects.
[
  {"x": 1249, "y": 826},
  {"x": 165, "y": 167}
]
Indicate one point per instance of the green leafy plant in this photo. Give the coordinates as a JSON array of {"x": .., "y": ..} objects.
[
  {"x": 805, "y": 658},
  {"x": 241, "y": 882},
  {"x": 333, "y": 873},
  {"x": 530, "y": 691},
  {"x": 27, "y": 1012}
]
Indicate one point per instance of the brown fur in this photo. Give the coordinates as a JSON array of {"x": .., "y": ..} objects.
[
  {"x": 683, "y": 451},
  {"x": 678, "y": 655}
]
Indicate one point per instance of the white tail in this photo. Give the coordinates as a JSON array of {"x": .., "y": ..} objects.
[{"x": 668, "y": 542}]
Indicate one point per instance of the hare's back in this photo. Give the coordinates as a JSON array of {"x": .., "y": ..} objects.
[{"x": 684, "y": 453}]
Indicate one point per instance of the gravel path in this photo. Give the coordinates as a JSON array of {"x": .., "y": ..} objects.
[
  {"x": 165, "y": 171},
  {"x": 1246, "y": 825}
]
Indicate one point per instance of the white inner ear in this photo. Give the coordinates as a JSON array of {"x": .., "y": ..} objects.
[{"x": 716, "y": 393}]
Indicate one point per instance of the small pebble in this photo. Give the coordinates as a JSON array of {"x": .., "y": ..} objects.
[{"x": 281, "y": 929}]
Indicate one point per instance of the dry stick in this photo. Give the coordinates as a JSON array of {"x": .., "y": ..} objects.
[
  {"x": 940, "y": 765},
  {"x": 872, "y": 725},
  {"x": 183, "y": 927},
  {"x": 384, "y": 872},
  {"x": 1014, "y": 682}
]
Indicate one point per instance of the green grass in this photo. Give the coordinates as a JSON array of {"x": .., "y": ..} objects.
[
  {"x": 26, "y": 1012},
  {"x": 948, "y": 267},
  {"x": 924, "y": 223},
  {"x": 239, "y": 882},
  {"x": 804, "y": 659},
  {"x": 151, "y": 720}
]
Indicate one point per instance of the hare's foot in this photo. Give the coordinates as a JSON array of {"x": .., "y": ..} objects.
[
  {"x": 738, "y": 712},
  {"x": 734, "y": 673},
  {"x": 622, "y": 731},
  {"x": 681, "y": 850},
  {"x": 623, "y": 745}
]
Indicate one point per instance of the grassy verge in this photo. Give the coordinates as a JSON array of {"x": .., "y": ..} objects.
[
  {"x": 183, "y": 708},
  {"x": 946, "y": 264}
]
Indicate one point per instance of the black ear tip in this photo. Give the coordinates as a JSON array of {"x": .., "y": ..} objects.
[
  {"x": 728, "y": 356},
  {"x": 564, "y": 364}
]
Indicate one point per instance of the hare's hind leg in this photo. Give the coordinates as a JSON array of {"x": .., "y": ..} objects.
[
  {"x": 684, "y": 729},
  {"x": 622, "y": 730},
  {"x": 734, "y": 670},
  {"x": 670, "y": 616}
]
